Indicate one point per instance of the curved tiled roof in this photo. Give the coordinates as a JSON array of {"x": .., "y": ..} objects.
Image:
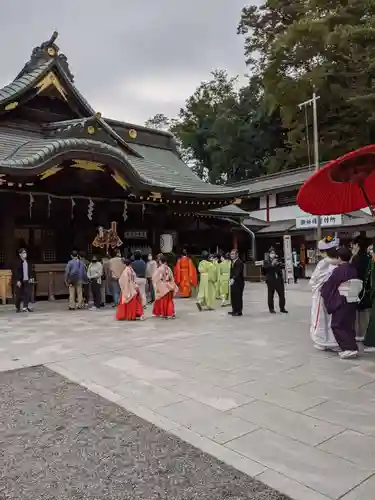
[
  {"x": 152, "y": 168},
  {"x": 18, "y": 86},
  {"x": 31, "y": 152}
]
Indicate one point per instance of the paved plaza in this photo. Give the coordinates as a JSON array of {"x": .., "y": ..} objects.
[{"x": 251, "y": 391}]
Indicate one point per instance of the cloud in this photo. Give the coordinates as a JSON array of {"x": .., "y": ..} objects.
[{"x": 131, "y": 59}]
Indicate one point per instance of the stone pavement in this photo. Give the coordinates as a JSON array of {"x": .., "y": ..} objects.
[
  {"x": 250, "y": 391},
  {"x": 76, "y": 445}
]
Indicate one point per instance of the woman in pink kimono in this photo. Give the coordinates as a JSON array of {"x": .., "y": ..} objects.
[
  {"x": 165, "y": 290},
  {"x": 130, "y": 304}
]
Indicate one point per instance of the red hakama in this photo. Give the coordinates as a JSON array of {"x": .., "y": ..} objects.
[
  {"x": 164, "y": 307},
  {"x": 130, "y": 311}
]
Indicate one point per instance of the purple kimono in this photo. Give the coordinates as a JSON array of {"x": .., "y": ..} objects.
[{"x": 343, "y": 313}]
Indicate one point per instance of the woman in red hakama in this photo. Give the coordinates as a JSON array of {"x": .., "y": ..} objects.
[
  {"x": 165, "y": 290},
  {"x": 130, "y": 304}
]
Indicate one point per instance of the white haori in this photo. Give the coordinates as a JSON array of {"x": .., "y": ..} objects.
[{"x": 320, "y": 328}]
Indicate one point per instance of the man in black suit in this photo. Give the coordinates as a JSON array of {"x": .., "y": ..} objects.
[
  {"x": 237, "y": 284},
  {"x": 23, "y": 278},
  {"x": 273, "y": 273}
]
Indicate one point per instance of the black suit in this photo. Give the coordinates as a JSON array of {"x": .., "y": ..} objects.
[
  {"x": 237, "y": 288},
  {"x": 22, "y": 286},
  {"x": 273, "y": 273}
]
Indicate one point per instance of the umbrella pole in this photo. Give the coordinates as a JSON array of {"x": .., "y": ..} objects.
[{"x": 367, "y": 200}]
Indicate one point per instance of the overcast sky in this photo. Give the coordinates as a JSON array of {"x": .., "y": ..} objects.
[{"x": 131, "y": 58}]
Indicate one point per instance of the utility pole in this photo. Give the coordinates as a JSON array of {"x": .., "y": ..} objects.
[{"x": 313, "y": 102}]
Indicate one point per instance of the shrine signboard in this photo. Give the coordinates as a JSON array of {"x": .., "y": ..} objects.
[{"x": 311, "y": 221}]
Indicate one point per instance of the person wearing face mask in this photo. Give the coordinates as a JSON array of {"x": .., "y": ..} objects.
[
  {"x": 236, "y": 283},
  {"x": 361, "y": 261},
  {"x": 369, "y": 342},
  {"x": 95, "y": 274},
  {"x": 116, "y": 268},
  {"x": 273, "y": 273},
  {"x": 151, "y": 267},
  {"x": 320, "y": 326},
  {"x": 23, "y": 278}
]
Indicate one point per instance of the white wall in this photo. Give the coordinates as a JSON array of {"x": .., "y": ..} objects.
[{"x": 279, "y": 213}]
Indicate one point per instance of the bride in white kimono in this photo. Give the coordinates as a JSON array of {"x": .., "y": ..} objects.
[{"x": 320, "y": 329}]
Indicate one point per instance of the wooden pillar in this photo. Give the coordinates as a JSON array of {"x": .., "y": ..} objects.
[
  {"x": 156, "y": 241},
  {"x": 9, "y": 243}
]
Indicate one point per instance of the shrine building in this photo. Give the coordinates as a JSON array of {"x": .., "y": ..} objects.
[{"x": 65, "y": 171}]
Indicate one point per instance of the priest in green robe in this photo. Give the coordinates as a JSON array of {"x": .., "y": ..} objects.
[
  {"x": 207, "y": 284},
  {"x": 224, "y": 277}
]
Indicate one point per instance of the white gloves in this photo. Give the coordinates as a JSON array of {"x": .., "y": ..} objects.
[{"x": 231, "y": 281}]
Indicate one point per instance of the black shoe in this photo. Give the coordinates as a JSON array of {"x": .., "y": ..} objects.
[
  {"x": 284, "y": 311},
  {"x": 28, "y": 309},
  {"x": 199, "y": 307},
  {"x": 230, "y": 313},
  {"x": 18, "y": 310},
  {"x": 237, "y": 314},
  {"x": 272, "y": 311}
]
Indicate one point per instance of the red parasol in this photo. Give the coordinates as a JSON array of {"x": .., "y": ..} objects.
[{"x": 341, "y": 186}]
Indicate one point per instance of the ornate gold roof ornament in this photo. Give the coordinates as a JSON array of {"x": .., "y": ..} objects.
[
  {"x": 51, "y": 51},
  {"x": 132, "y": 133},
  {"x": 11, "y": 105},
  {"x": 88, "y": 165},
  {"x": 44, "y": 53},
  {"x": 48, "y": 173},
  {"x": 120, "y": 180},
  {"x": 47, "y": 81}
]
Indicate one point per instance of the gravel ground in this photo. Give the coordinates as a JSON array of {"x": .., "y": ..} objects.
[{"x": 61, "y": 441}]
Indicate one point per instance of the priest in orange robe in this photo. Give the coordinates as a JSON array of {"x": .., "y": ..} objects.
[{"x": 185, "y": 275}]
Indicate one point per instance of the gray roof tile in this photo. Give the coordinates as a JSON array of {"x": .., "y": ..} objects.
[
  {"x": 165, "y": 166},
  {"x": 278, "y": 226},
  {"x": 10, "y": 91},
  {"x": 270, "y": 183}
]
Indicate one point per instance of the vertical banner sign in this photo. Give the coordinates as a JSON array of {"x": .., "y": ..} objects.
[{"x": 288, "y": 257}]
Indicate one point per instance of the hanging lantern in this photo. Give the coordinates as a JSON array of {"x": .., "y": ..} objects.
[
  {"x": 125, "y": 211},
  {"x": 166, "y": 243},
  {"x": 31, "y": 202},
  {"x": 73, "y": 204}
]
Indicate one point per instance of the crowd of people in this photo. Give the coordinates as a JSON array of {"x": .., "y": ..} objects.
[
  {"x": 343, "y": 301},
  {"x": 343, "y": 288},
  {"x": 134, "y": 284}
]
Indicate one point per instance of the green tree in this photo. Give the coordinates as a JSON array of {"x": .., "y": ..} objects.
[
  {"x": 294, "y": 47},
  {"x": 225, "y": 133},
  {"x": 159, "y": 122}
]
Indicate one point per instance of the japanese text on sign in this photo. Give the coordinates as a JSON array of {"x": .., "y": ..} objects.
[{"x": 311, "y": 221}]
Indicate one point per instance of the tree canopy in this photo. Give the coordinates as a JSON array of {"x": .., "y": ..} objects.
[
  {"x": 296, "y": 47},
  {"x": 291, "y": 48}
]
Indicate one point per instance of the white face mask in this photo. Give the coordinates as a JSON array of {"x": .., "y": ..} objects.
[{"x": 150, "y": 257}]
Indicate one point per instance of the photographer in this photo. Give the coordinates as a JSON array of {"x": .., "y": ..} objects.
[{"x": 273, "y": 273}]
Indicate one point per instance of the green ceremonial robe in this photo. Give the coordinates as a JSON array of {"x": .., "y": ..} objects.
[
  {"x": 207, "y": 284},
  {"x": 216, "y": 263},
  {"x": 224, "y": 277}
]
